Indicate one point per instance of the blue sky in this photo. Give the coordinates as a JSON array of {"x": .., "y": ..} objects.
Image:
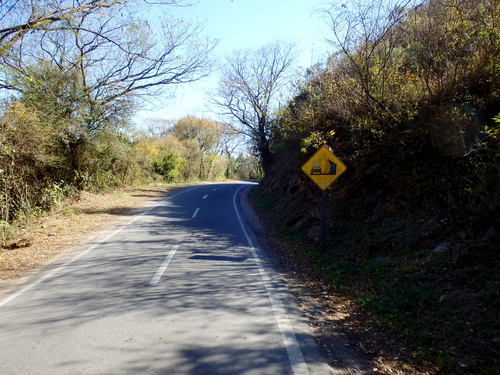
[{"x": 240, "y": 24}]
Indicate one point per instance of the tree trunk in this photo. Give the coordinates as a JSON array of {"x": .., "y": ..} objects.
[{"x": 265, "y": 156}]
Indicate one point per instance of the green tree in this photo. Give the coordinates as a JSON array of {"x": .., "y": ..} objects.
[
  {"x": 95, "y": 61},
  {"x": 169, "y": 165}
]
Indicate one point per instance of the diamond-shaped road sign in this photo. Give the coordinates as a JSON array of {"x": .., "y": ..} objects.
[{"x": 323, "y": 167}]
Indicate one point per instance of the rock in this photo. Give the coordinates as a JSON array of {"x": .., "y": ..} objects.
[
  {"x": 442, "y": 248},
  {"x": 374, "y": 168},
  {"x": 314, "y": 232},
  {"x": 18, "y": 244},
  {"x": 489, "y": 235},
  {"x": 459, "y": 251},
  {"x": 301, "y": 223},
  {"x": 444, "y": 298}
]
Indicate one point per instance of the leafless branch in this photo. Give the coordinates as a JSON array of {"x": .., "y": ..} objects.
[{"x": 250, "y": 82}]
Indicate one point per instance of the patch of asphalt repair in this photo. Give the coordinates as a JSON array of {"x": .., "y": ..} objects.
[{"x": 336, "y": 347}]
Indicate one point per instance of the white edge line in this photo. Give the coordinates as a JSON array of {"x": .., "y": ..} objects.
[
  {"x": 195, "y": 213},
  {"x": 295, "y": 356},
  {"x": 156, "y": 278},
  {"x": 81, "y": 254}
]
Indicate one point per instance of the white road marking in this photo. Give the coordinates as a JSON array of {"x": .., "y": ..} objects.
[
  {"x": 195, "y": 213},
  {"x": 156, "y": 278},
  {"x": 214, "y": 189},
  {"x": 84, "y": 252},
  {"x": 205, "y": 196},
  {"x": 295, "y": 356}
]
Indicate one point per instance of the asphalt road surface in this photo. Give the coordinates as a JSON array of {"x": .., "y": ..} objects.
[{"x": 182, "y": 287}]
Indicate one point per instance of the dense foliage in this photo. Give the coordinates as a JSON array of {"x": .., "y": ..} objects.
[{"x": 48, "y": 155}]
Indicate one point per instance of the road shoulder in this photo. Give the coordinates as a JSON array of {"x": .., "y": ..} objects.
[
  {"x": 339, "y": 352},
  {"x": 45, "y": 239}
]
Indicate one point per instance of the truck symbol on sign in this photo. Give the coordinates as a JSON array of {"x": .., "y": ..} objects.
[{"x": 316, "y": 169}]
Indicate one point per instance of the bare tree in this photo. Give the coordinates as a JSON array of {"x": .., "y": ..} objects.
[
  {"x": 19, "y": 17},
  {"x": 116, "y": 53},
  {"x": 229, "y": 141},
  {"x": 112, "y": 56},
  {"x": 247, "y": 93},
  {"x": 158, "y": 128}
]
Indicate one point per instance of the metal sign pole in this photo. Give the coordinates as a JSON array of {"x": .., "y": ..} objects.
[{"x": 323, "y": 213}]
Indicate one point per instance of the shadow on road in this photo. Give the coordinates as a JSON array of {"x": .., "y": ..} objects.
[{"x": 209, "y": 314}]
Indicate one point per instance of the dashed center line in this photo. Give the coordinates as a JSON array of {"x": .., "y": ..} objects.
[
  {"x": 156, "y": 278},
  {"x": 195, "y": 213},
  {"x": 205, "y": 196}
]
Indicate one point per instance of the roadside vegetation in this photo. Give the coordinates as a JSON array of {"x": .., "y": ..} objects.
[
  {"x": 38, "y": 172},
  {"x": 409, "y": 101},
  {"x": 73, "y": 74}
]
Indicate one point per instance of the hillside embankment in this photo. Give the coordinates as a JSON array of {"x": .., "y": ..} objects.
[
  {"x": 413, "y": 224},
  {"x": 413, "y": 269}
]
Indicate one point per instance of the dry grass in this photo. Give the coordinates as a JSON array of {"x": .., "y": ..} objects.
[{"x": 45, "y": 237}]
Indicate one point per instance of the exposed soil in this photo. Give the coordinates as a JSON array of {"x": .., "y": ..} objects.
[{"x": 43, "y": 238}]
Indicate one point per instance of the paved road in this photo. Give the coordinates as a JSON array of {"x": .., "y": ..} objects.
[{"x": 181, "y": 288}]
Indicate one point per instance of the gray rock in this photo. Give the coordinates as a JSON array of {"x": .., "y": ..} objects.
[
  {"x": 489, "y": 234},
  {"x": 460, "y": 250},
  {"x": 442, "y": 248},
  {"x": 444, "y": 298}
]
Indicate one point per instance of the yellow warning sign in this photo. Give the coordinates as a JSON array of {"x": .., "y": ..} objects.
[{"x": 323, "y": 167}]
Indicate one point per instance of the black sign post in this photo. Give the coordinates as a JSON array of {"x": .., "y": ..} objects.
[{"x": 323, "y": 213}]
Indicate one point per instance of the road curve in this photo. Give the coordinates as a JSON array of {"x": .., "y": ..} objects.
[{"x": 182, "y": 287}]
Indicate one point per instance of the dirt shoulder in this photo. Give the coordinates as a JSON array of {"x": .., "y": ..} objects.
[{"x": 45, "y": 237}]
